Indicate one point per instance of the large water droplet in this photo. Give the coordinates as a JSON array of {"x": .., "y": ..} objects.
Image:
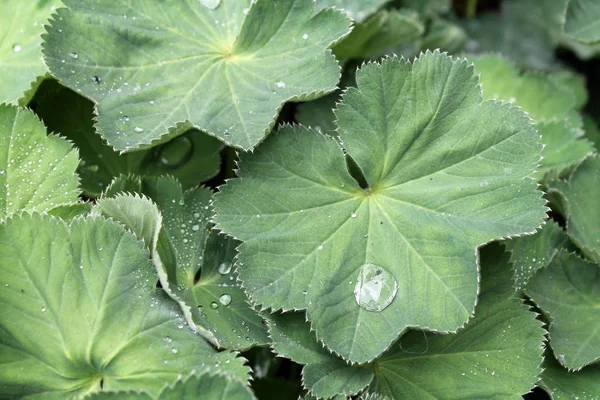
[
  {"x": 225, "y": 299},
  {"x": 375, "y": 288},
  {"x": 224, "y": 268},
  {"x": 176, "y": 152},
  {"x": 212, "y": 4}
]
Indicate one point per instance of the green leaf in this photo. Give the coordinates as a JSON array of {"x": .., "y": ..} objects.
[
  {"x": 210, "y": 386},
  {"x": 533, "y": 252},
  {"x": 562, "y": 384},
  {"x": 569, "y": 291},
  {"x": 564, "y": 148},
  {"x": 592, "y": 132},
  {"x": 496, "y": 355},
  {"x": 192, "y": 157},
  {"x": 81, "y": 313},
  {"x": 37, "y": 172},
  {"x": 572, "y": 82},
  {"x": 580, "y": 195},
  {"x": 537, "y": 94},
  {"x": 582, "y": 21},
  {"x": 385, "y": 29},
  {"x": 444, "y": 35},
  {"x": 358, "y": 10},
  {"x": 72, "y": 211},
  {"x": 445, "y": 172},
  {"x": 195, "y": 266},
  {"x": 428, "y": 7},
  {"x": 324, "y": 374},
  {"x": 21, "y": 27},
  {"x": 157, "y": 70}
]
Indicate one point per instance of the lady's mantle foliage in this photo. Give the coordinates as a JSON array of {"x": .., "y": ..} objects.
[
  {"x": 446, "y": 173},
  {"x": 157, "y": 70}
]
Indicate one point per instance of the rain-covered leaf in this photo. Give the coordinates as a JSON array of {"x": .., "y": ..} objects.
[
  {"x": 324, "y": 374},
  {"x": 497, "y": 355},
  {"x": 445, "y": 174},
  {"x": 580, "y": 195},
  {"x": 195, "y": 264},
  {"x": 37, "y": 172},
  {"x": 192, "y": 157},
  {"x": 81, "y": 313},
  {"x": 582, "y": 21},
  {"x": 156, "y": 70},
  {"x": 568, "y": 290},
  {"x": 358, "y": 10},
  {"x": 562, "y": 384},
  {"x": 208, "y": 386},
  {"x": 21, "y": 27},
  {"x": 533, "y": 252},
  {"x": 385, "y": 29}
]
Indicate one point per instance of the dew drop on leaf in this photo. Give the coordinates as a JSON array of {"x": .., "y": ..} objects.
[
  {"x": 96, "y": 79},
  {"x": 74, "y": 56},
  {"x": 225, "y": 299},
  {"x": 138, "y": 129},
  {"x": 375, "y": 288},
  {"x": 176, "y": 152},
  {"x": 16, "y": 48},
  {"x": 224, "y": 268},
  {"x": 212, "y": 4},
  {"x": 214, "y": 305}
]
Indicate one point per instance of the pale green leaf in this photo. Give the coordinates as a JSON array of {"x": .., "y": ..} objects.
[
  {"x": 156, "y": 70},
  {"x": 71, "y": 211},
  {"x": 195, "y": 265},
  {"x": 358, "y": 10},
  {"x": 562, "y": 384},
  {"x": 580, "y": 195},
  {"x": 445, "y": 172},
  {"x": 572, "y": 82},
  {"x": 536, "y": 93},
  {"x": 385, "y": 29},
  {"x": 192, "y": 157},
  {"x": 21, "y": 26},
  {"x": 564, "y": 148},
  {"x": 497, "y": 355},
  {"x": 582, "y": 21},
  {"x": 324, "y": 374},
  {"x": 81, "y": 313},
  {"x": 207, "y": 386},
  {"x": 533, "y": 252},
  {"x": 568, "y": 290},
  {"x": 37, "y": 172}
]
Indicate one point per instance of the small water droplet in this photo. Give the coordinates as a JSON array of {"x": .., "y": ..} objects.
[
  {"x": 353, "y": 215},
  {"x": 176, "y": 152},
  {"x": 16, "y": 48},
  {"x": 280, "y": 84},
  {"x": 305, "y": 36},
  {"x": 224, "y": 268},
  {"x": 225, "y": 299},
  {"x": 138, "y": 129},
  {"x": 375, "y": 288},
  {"x": 212, "y": 4},
  {"x": 214, "y": 305},
  {"x": 43, "y": 309},
  {"x": 174, "y": 350},
  {"x": 96, "y": 79},
  {"x": 74, "y": 56}
]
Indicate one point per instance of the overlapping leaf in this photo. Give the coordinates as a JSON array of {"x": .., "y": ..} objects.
[
  {"x": 565, "y": 385},
  {"x": 37, "y": 172},
  {"x": 569, "y": 291},
  {"x": 445, "y": 173},
  {"x": 358, "y": 10},
  {"x": 580, "y": 194},
  {"x": 209, "y": 386},
  {"x": 192, "y": 157},
  {"x": 497, "y": 355},
  {"x": 21, "y": 27},
  {"x": 81, "y": 313},
  {"x": 582, "y": 21},
  {"x": 157, "y": 70},
  {"x": 533, "y": 252},
  {"x": 195, "y": 264}
]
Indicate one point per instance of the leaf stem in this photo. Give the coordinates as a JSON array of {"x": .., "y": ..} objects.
[{"x": 471, "y": 8}]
